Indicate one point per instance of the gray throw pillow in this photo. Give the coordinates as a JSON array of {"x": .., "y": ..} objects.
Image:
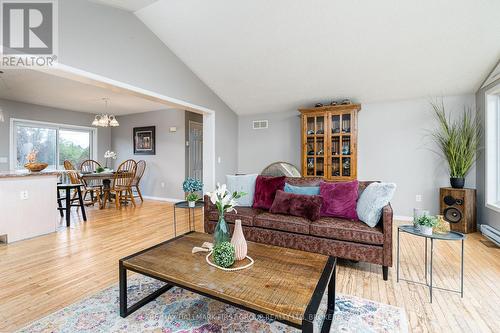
[
  {"x": 242, "y": 183},
  {"x": 372, "y": 200}
]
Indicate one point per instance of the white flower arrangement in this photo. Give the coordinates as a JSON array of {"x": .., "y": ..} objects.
[
  {"x": 109, "y": 154},
  {"x": 224, "y": 200}
]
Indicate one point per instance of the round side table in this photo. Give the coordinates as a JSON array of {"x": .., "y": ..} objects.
[
  {"x": 191, "y": 211},
  {"x": 450, "y": 236}
]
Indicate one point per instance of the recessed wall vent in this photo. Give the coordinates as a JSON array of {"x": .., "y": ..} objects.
[{"x": 260, "y": 124}]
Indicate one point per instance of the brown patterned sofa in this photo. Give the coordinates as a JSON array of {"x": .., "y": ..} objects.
[{"x": 341, "y": 238}]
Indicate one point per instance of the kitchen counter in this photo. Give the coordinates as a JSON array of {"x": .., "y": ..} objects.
[
  {"x": 26, "y": 173},
  {"x": 28, "y": 204}
]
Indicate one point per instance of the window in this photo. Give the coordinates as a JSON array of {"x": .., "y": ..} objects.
[
  {"x": 54, "y": 143},
  {"x": 492, "y": 140}
]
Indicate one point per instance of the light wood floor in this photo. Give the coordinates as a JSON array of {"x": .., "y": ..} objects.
[{"x": 42, "y": 275}]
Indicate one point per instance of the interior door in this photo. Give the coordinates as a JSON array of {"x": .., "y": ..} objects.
[{"x": 195, "y": 150}]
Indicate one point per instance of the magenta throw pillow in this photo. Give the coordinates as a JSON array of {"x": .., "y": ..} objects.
[
  {"x": 265, "y": 191},
  {"x": 339, "y": 199},
  {"x": 302, "y": 205}
]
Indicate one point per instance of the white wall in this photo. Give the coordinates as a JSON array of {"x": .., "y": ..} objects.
[
  {"x": 394, "y": 146},
  {"x": 168, "y": 165},
  {"x": 116, "y": 44}
]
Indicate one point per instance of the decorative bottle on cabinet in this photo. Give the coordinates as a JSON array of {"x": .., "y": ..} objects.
[
  {"x": 239, "y": 242},
  {"x": 329, "y": 141}
]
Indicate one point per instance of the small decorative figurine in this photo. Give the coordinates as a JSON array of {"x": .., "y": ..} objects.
[{"x": 310, "y": 163}]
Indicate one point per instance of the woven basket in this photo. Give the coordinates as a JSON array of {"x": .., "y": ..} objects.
[{"x": 35, "y": 167}]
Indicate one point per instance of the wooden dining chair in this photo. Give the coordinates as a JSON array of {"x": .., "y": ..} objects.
[
  {"x": 89, "y": 166},
  {"x": 122, "y": 183},
  {"x": 91, "y": 186},
  {"x": 141, "y": 167},
  {"x": 68, "y": 165}
]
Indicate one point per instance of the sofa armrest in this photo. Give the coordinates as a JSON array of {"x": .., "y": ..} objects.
[
  {"x": 387, "y": 222},
  {"x": 208, "y": 203}
]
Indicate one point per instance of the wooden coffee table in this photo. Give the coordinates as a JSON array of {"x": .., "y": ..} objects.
[{"x": 284, "y": 284}]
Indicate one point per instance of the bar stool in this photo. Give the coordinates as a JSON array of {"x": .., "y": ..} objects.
[{"x": 69, "y": 201}]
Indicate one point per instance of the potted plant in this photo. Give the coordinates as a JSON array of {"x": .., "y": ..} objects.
[
  {"x": 426, "y": 223},
  {"x": 457, "y": 141},
  {"x": 224, "y": 201},
  {"x": 191, "y": 187}
]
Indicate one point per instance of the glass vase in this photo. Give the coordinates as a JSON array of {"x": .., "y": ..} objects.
[{"x": 221, "y": 233}]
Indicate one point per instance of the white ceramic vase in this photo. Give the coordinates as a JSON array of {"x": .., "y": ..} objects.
[
  {"x": 426, "y": 230},
  {"x": 191, "y": 204},
  {"x": 239, "y": 242}
]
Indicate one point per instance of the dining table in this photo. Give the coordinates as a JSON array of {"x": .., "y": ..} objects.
[{"x": 105, "y": 177}]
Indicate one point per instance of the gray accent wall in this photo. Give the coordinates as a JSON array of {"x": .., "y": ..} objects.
[
  {"x": 164, "y": 171},
  {"x": 114, "y": 43},
  {"x": 485, "y": 215},
  {"x": 394, "y": 146},
  {"x": 12, "y": 109}
]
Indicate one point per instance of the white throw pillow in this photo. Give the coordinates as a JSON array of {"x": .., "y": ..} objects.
[
  {"x": 372, "y": 200},
  {"x": 243, "y": 183}
]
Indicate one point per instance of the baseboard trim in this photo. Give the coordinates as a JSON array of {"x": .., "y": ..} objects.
[
  {"x": 403, "y": 218},
  {"x": 161, "y": 199}
]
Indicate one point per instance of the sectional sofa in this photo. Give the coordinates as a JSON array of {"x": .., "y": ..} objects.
[{"x": 337, "y": 237}]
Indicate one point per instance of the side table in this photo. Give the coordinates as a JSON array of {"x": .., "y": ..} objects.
[
  {"x": 450, "y": 236},
  {"x": 191, "y": 211}
]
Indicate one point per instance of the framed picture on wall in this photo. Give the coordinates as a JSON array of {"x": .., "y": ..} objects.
[{"x": 145, "y": 140}]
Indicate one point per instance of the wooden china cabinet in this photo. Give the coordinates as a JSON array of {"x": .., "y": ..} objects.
[{"x": 329, "y": 141}]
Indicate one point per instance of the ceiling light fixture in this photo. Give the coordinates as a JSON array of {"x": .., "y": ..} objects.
[{"x": 105, "y": 120}]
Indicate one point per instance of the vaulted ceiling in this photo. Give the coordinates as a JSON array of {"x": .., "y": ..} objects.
[{"x": 267, "y": 56}]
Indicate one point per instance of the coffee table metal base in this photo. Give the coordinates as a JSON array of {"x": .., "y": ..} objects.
[{"x": 327, "y": 280}]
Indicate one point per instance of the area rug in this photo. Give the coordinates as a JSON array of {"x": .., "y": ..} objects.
[{"x": 179, "y": 310}]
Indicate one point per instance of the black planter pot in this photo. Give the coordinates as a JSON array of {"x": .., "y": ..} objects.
[{"x": 457, "y": 182}]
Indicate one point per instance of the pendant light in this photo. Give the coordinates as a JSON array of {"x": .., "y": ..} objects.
[{"x": 105, "y": 120}]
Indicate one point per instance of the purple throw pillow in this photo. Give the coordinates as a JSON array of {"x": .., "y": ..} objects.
[
  {"x": 302, "y": 205},
  {"x": 339, "y": 199},
  {"x": 265, "y": 191}
]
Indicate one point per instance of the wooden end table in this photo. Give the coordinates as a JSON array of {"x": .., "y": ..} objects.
[{"x": 284, "y": 284}]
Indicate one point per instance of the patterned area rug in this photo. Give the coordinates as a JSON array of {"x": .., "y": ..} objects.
[{"x": 179, "y": 310}]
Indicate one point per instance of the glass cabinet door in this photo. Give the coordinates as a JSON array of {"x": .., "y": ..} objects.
[
  {"x": 341, "y": 145},
  {"x": 315, "y": 145}
]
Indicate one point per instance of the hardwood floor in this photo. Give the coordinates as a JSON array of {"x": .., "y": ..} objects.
[{"x": 44, "y": 274}]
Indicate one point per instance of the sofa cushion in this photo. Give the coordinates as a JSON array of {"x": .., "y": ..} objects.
[
  {"x": 301, "y": 205},
  {"x": 245, "y": 214},
  {"x": 341, "y": 229},
  {"x": 294, "y": 224},
  {"x": 265, "y": 191},
  {"x": 339, "y": 199},
  {"x": 307, "y": 190},
  {"x": 375, "y": 197},
  {"x": 242, "y": 183}
]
